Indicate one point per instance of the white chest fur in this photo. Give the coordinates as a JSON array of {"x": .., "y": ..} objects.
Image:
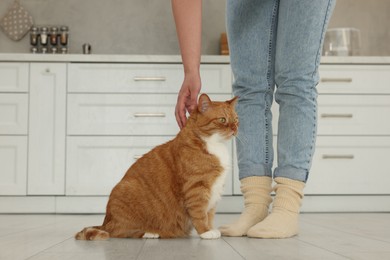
[{"x": 216, "y": 145}]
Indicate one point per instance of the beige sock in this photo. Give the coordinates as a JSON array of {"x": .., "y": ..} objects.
[
  {"x": 256, "y": 191},
  {"x": 283, "y": 220}
]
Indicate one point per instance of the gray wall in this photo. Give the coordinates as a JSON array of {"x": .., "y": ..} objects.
[{"x": 147, "y": 27}]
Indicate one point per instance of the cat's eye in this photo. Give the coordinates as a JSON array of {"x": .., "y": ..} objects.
[{"x": 222, "y": 120}]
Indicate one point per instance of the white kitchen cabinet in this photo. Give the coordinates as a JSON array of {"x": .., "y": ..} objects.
[
  {"x": 13, "y": 128},
  {"x": 47, "y": 110},
  {"x": 13, "y": 161},
  {"x": 118, "y": 112},
  {"x": 70, "y": 129}
]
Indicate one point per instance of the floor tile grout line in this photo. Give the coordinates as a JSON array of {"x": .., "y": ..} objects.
[
  {"x": 322, "y": 248},
  {"x": 47, "y": 248},
  {"x": 349, "y": 233},
  {"x": 28, "y": 229},
  {"x": 235, "y": 250},
  {"x": 45, "y": 225},
  {"x": 141, "y": 249}
]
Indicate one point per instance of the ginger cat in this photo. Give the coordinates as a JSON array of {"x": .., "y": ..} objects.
[{"x": 175, "y": 186}]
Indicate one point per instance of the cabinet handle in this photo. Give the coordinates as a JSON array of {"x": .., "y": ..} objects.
[
  {"x": 338, "y": 156},
  {"x": 336, "y": 115},
  {"x": 149, "y": 115},
  {"x": 47, "y": 71},
  {"x": 340, "y": 80},
  {"x": 138, "y": 78}
]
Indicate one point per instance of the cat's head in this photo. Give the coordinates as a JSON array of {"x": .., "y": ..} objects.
[{"x": 213, "y": 117}]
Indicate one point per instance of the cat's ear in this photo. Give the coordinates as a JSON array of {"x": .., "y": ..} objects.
[
  {"x": 233, "y": 101},
  {"x": 204, "y": 103}
]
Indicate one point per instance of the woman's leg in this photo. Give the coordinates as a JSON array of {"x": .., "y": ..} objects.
[
  {"x": 301, "y": 28},
  {"x": 251, "y": 28},
  {"x": 251, "y": 33}
]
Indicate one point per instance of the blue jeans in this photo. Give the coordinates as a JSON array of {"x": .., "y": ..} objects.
[{"x": 276, "y": 43}]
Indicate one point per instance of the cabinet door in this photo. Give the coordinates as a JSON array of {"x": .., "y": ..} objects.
[
  {"x": 13, "y": 162},
  {"x": 46, "y": 165},
  {"x": 13, "y": 113},
  {"x": 14, "y": 77}
]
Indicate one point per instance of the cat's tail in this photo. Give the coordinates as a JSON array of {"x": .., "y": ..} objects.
[{"x": 92, "y": 233}]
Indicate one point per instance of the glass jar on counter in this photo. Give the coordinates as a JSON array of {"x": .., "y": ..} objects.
[
  {"x": 64, "y": 35},
  {"x": 53, "y": 36},
  {"x": 44, "y": 37},
  {"x": 34, "y": 34}
]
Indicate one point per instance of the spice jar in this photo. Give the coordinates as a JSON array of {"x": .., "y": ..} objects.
[
  {"x": 64, "y": 36},
  {"x": 44, "y": 36},
  {"x": 34, "y": 36},
  {"x": 53, "y": 35}
]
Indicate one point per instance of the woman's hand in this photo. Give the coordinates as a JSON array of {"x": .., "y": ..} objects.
[
  {"x": 187, "y": 99},
  {"x": 188, "y": 20}
]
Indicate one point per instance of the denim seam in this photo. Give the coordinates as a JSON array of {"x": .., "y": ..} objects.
[
  {"x": 327, "y": 16},
  {"x": 318, "y": 56},
  {"x": 270, "y": 50}
]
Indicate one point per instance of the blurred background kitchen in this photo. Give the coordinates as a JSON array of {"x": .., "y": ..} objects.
[{"x": 147, "y": 27}]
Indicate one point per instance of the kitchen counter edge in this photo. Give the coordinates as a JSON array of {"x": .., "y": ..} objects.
[{"x": 176, "y": 59}]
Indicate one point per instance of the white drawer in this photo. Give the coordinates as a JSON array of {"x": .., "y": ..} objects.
[
  {"x": 353, "y": 115},
  {"x": 14, "y": 77},
  {"x": 104, "y": 160},
  {"x": 13, "y": 113},
  {"x": 13, "y": 162},
  {"x": 354, "y": 79},
  {"x": 143, "y": 78},
  {"x": 350, "y": 165},
  {"x": 345, "y": 165},
  {"x": 123, "y": 114},
  {"x": 349, "y": 115}
]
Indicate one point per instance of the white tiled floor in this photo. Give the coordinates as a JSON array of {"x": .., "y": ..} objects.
[{"x": 322, "y": 236}]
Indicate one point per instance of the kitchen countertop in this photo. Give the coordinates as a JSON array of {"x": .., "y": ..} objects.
[{"x": 27, "y": 57}]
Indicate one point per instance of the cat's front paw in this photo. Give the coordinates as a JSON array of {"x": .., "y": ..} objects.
[
  {"x": 151, "y": 235},
  {"x": 211, "y": 234}
]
